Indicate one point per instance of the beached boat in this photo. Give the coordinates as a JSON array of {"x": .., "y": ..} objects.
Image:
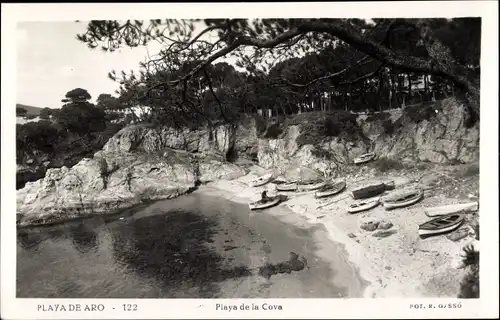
[
  {"x": 260, "y": 181},
  {"x": 264, "y": 204},
  {"x": 451, "y": 208},
  {"x": 441, "y": 225},
  {"x": 313, "y": 185},
  {"x": 330, "y": 189},
  {"x": 402, "y": 199},
  {"x": 363, "y": 205},
  {"x": 372, "y": 190},
  {"x": 287, "y": 186},
  {"x": 364, "y": 158}
]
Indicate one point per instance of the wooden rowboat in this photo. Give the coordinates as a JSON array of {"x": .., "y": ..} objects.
[
  {"x": 363, "y": 205},
  {"x": 261, "y": 180},
  {"x": 290, "y": 186},
  {"x": 364, "y": 158},
  {"x": 330, "y": 190},
  {"x": 441, "y": 225},
  {"x": 451, "y": 208},
  {"x": 402, "y": 199},
  {"x": 259, "y": 205}
]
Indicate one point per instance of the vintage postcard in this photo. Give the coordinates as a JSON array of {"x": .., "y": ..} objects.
[{"x": 250, "y": 160}]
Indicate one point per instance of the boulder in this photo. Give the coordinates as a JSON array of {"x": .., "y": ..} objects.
[
  {"x": 458, "y": 234},
  {"x": 369, "y": 225},
  {"x": 384, "y": 225},
  {"x": 383, "y": 233}
]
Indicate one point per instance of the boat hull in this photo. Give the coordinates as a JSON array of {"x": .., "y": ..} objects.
[
  {"x": 261, "y": 181},
  {"x": 364, "y": 158},
  {"x": 452, "y": 208},
  {"x": 389, "y": 204},
  {"x": 312, "y": 187},
  {"x": 287, "y": 187},
  {"x": 261, "y": 206},
  {"x": 369, "y": 191},
  {"x": 363, "y": 206},
  {"x": 336, "y": 189},
  {"x": 436, "y": 226},
  {"x": 427, "y": 233}
]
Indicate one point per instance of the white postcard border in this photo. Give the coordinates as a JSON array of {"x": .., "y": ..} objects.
[{"x": 486, "y": 306}]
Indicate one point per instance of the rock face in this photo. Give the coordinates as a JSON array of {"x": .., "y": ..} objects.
[
  {"x": 442, "y": 138},
  {"x": 136, "y": 165},
  {"x": 142, "y": 162}
]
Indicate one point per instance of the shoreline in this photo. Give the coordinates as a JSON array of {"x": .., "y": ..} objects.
[
  {"x": 226, "y": 190},
  {"x": 400, "y": 265}
]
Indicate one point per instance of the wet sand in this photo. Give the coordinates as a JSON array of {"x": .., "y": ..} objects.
[{"x": 400, "y": 265}]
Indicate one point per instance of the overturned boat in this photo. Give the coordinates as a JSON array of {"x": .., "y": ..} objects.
[
  {"x": 364, "y": 158},
  {"x": 372, "y": 190},
  {"x": 441, "y": 225},
  {"x": 363, "y": 205},
  {"x": 402, "y": 199},
  {"x": 264, "y": 204},
  {"x": 260, "y": 181},
  {"x": 451, "y": 208},
  {"x": 330, "y": 189}
]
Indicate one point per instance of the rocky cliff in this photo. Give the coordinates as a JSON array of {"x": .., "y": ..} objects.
[
  {"x": 139, "y": 163},
  {"x": 439, "y": 133},
  {"x": 142, "y": 162}
]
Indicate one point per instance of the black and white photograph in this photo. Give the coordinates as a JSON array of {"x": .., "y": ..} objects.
[{"x": 250, "y": 158}]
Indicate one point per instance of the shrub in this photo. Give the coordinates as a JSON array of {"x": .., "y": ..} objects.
[
  {"x": 315, "y": 126},
  {"x": 389, "y": 126},
  {"x": 273, "y": 132},
  {"x": 378, "y": 116},
  {"x": 469, "y": 287},
  {"x": 472, "y": 170},
  {"x": 420, "y": 113},
  {"x": 386, "y": 164},
  {"x": 321, "y": 153},
  {"x": 260, "y": 124}
]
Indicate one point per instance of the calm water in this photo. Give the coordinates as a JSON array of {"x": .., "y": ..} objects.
[{"x": 193, "y": 246}]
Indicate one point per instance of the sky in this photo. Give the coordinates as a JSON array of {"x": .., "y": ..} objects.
[{"x": 51, "y": 62}]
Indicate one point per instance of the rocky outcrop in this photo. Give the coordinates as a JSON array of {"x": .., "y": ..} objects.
[
  {"x": 442, "y": 138},
  {"x": 136, "y": 165},
  {"x": 142, "y": 162}
]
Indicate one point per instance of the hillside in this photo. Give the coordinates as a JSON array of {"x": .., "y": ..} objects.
[{"x": 32, "y": 111}]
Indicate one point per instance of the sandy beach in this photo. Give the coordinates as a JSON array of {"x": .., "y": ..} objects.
[{"x": 401, "y": 264}]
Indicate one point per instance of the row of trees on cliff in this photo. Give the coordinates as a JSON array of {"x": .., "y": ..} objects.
[
  {"x": 291, "y": 65},
  {"x": 294, "y": 65},
  {"x": 77, "y": 129}
]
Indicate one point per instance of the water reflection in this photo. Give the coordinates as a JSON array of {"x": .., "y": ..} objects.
[
  {"x": 172, "y": 249},
  {"x": 84, "y": 239},
  {"x": 29, "y": 241}
]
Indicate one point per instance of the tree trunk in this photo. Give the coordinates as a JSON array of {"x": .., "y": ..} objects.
[
  {"x": 349, "y": 105},
  {"x": 409, "y": 88},
  {"x": 379, "y": 91}
]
